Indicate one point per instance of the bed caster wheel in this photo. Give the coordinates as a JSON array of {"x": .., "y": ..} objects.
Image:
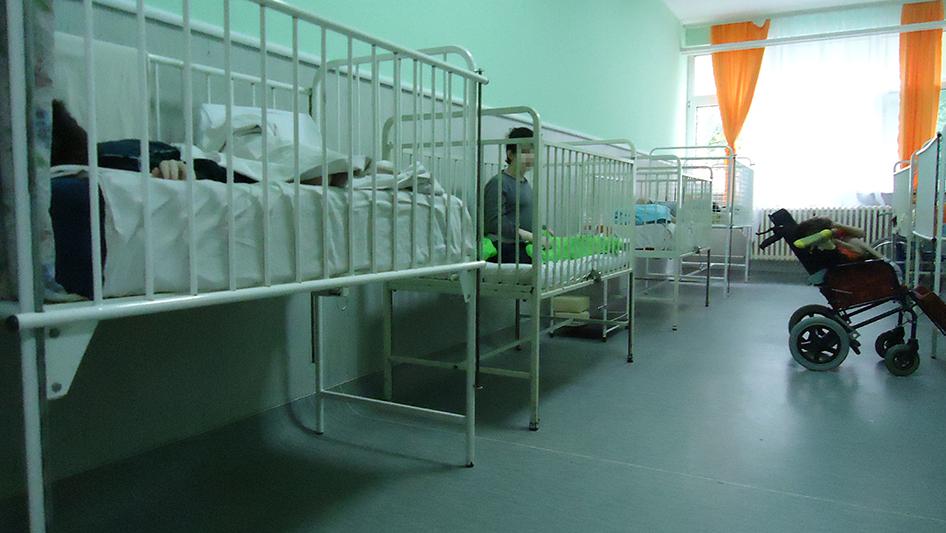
[
  {"x": 469, "y": 465},
  {"x": 604, "y": 339},
  {"x": 819, "y": 343},
  {"x": 806, "y": 311},
  {"x": 630, "y": 359},
  {"x": 887, "y": 340},
  {"x": 533, "y": 426},
  {"x": 902, "y": 360}
]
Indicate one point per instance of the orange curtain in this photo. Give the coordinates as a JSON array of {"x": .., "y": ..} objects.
[
  {"x": 736, "y": 73},
  {"x": 920, "y": 76}
]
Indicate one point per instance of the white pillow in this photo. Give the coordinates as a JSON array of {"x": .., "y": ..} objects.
[{"x": 247, "y": 121}]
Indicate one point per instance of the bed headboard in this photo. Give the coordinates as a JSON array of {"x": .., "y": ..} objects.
[{"x": 116, "y": 85}]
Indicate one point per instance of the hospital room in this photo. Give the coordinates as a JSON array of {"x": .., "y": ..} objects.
[{"x": 493, "y": 265}]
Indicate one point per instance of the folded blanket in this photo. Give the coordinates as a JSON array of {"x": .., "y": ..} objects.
[{"x": 578, "y": 246}]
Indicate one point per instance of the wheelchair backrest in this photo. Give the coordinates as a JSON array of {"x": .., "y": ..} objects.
[{"x": 785, "y": 227}]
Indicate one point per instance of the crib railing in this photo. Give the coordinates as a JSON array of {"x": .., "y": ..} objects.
[
  {"x": 583, "y": 208},
  {"x": 363, "y": 81},
  {"x": 689, "y": 189}
]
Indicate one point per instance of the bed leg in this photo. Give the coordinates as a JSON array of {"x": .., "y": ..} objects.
[
  {"x": 319, "y": 349},
  {"x": 629, "y": 309},
  {"x": 388, "y": 333},
  {"x": 518, "y": 323},
  {"x": 677, "y": 272},
  {"x": 604, "y": 310},
  {"x": 534, "y": 331},
  {"x": 745, "y": 276},
  {"x": 709, "y": 268},
  {"x": 470, "y": 380},
  {"x": 33, "y": 400}
]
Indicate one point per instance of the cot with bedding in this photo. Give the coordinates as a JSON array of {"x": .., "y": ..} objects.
[
  {"x": 155, "y": 246},
  {"x": 688, "y": 195},
  {"x": 583, "y": 204},
  {"x": 928, "y": 171}
]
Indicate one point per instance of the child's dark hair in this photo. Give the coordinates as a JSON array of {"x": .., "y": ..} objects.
[
  {"x": 516, "y": 133},
  {"x": 812, "y": 226}
]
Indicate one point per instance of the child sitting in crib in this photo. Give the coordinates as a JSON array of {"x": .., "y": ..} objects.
[{"x": 846, "y": 240}]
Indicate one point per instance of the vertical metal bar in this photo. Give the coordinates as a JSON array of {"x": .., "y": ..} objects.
[
  {"x": 548, "y": 195},
  {"x": 32, "y": 386},
  {"x": 296, "y": 171},
  {"x": 387, "y": 336},
  {"x": 157, "y": 101},
  {"x": 208, "y": 88},
  {"x": 629, "y": 307},
  {"x": 431, "y": 167},
  {"x": 375, "y": 156},
  {"x": 92, "y": 150},
  {"x": 561, "y": 167},
  {"x": 188, "y": 151},
  {"x": 465, "y": 165},
  {"x": 517, "y": 240},
  {"x": 264, "y": 116},
  {"x": 500, "y": 178},
  {"x": 447, "y": 165},
  {"x": 145, "y": 159},
  {"x": 231, "y": 216},
  {"x": 470, "y": 413},
  {"x": 323, "y": 99},
  {"x": 397, "y": 158},
  {"x": 253, "y": 94},
  {"x": 415, "y": 153},
  {"x": 319, "y": 310},
  {"x": 351, "y": 159}
]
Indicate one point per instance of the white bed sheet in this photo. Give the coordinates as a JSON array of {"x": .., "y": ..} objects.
[
  {"x": 125, "y": 242},
  {"x": 654, "y": 236}
]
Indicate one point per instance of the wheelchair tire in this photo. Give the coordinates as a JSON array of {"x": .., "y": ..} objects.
[
  {"x": 819, "y": 343},
  {"x": 806, "y": 311},
  {"x": 887, "y": 340},
  {"x": 902, "y": 360}
]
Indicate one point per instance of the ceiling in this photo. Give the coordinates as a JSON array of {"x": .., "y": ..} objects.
[{"x": 704, "y": 11}]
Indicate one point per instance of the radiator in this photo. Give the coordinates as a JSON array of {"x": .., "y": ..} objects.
[{"x": 875, "y": 221}]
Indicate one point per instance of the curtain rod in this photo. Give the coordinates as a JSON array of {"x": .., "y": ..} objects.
[{"x": 847, "y": 34}]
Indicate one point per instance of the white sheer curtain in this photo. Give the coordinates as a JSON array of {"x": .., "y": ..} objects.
[{"x": 823, "y": 123}]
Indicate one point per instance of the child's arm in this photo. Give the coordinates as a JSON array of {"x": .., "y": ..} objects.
[{"x": 850, "y": 231}]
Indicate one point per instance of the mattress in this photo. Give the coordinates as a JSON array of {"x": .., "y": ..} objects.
[
  {"x": 654, "y": 236},
  {"x": 124, "y": 233}
]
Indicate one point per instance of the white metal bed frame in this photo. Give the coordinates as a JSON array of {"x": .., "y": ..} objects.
[
  {"x": 53, "y": 337},
  {"x": 928, "y": 165},
  {"x": 555, "y": 164},
  {"x": 732, "y": 206},
  {"x": 668, "y": 176}
]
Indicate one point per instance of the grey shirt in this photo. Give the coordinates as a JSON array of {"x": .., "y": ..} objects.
[{"x": 507, "y": 206}]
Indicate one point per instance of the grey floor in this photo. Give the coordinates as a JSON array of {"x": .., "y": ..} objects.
[{"x": 713, "y": 428}]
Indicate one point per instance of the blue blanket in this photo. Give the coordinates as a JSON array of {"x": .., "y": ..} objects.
[{"x": 651, "y": 214}]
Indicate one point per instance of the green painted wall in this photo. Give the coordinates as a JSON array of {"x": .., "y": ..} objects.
[{"x": 608, "y": 68}]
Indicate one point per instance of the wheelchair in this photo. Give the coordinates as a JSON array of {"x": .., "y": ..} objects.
[{"x": 820, "y": 336}]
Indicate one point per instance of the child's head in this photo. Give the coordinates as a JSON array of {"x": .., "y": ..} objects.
[
  {"x": 525, "y": 157},
  {"x": 812, "y": 226}
]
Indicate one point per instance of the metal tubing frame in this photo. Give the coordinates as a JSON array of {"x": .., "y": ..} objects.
[
  {"x": 539, "y": 287},
  {"x": 31, "y": 317}
]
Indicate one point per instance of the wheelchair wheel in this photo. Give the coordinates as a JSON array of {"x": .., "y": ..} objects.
[
  {"x": 902, "y": 360},
  {"x": 806, "y": 311},
  {"x": 819, "y": 343},
  {"x": 887, "y": 340}
]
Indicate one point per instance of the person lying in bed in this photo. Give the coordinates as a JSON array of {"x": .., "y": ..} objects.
[
  {"x": 511, "y": 188},
  {"x": 70, "y": 145}
]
